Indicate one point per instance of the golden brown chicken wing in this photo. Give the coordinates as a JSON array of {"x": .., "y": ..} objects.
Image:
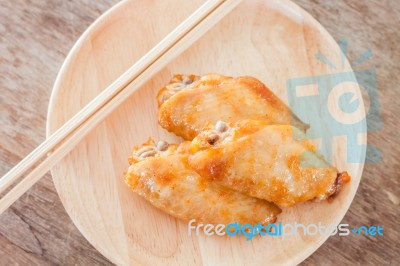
[
  {"x": 161, "y": 174},
  {"x": 187, "y": 103},
  {"x": 271, "y": 162}
]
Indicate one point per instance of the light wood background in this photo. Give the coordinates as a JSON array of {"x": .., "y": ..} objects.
[{"x": 34, "y": 39}]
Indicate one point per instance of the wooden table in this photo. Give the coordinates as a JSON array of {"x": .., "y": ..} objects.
[{"x": 35, "y": 37}]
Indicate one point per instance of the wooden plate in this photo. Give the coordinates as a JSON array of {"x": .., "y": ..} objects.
[{"x": 270, "y": 39}]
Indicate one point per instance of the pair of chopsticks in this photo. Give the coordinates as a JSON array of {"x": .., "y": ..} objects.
[{"x": 51, "y": 151}]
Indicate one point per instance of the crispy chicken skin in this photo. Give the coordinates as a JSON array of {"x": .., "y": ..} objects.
[
  {"x": 271, "y": 162},
  {"x": 161, "y": 174},
  {"x": 187, "y": 103},
  {"x": 246, "y": 154}
]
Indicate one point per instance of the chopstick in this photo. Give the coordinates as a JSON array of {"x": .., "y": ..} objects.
[{"x": 74, "y": 130}]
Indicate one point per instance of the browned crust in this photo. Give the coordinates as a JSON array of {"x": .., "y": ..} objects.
[
  {"x": 165, "y": 121},
  {"x": 340, "y": 180},
  {"x": 264, "y": 92},
  {"x": 260, "y": 89},
  {"x": 214, "y": 169}
]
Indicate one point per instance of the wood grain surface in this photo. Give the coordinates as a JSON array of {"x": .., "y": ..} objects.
[{"x": 35, "y": 37}]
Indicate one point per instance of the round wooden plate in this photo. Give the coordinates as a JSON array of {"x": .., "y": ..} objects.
[{"x": 272, "y": 40}]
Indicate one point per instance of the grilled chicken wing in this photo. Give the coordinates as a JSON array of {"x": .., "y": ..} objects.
[
  {"x": 187, "y": 103},
  {"x": 161, "y": 174},
  {"x": 271, "y": 162}
]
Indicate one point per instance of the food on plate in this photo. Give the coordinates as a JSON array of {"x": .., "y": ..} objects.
[
  {"x": 245, "y": 154},
  {"x": 189, "y": 102},
  {"x": 161, "y": 174},
  {"x": 272, "y": 162}
]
